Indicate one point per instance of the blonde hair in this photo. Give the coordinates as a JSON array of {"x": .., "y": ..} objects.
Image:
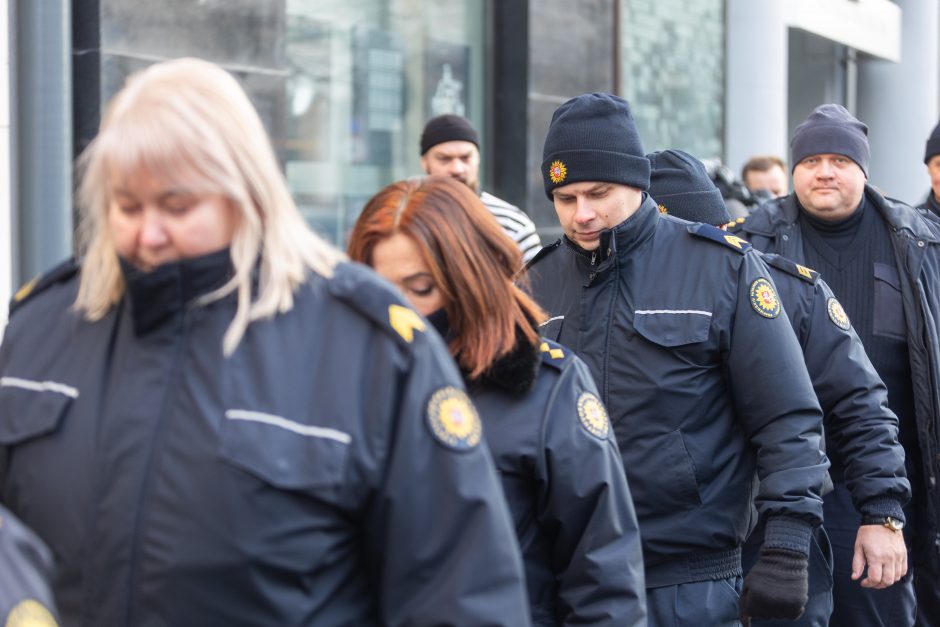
[{"x": 190, "y": 121}]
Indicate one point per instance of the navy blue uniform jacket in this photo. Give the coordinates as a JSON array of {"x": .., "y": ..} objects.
[
  {"x": 566, "y": 488},
  {"x": 666, "y": 320},
  {"x": 775, "y": 227},
  {"x": 329, "y": 472}
]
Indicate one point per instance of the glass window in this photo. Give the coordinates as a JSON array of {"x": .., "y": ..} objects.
[
  {"x": 673, "y": 72},
  {"x": 344, "y": 87}
]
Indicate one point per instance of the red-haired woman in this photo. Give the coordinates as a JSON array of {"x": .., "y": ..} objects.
[{"x": 548, "y": 432}]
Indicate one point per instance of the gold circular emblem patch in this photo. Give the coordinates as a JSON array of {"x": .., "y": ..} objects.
[
  {"x": 764, "y": 298},
  {"x": 30, "y": 613},
  {"x": 593, "y": 416},
  {"x": 557, "y": 172},
  {"x": 837, "y": 314},
  {"x": 453, "y": 419}
]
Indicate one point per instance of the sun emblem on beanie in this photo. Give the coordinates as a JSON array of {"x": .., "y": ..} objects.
[{"x": 557, "y": 172}]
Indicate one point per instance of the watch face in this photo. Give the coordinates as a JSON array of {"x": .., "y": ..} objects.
[{"x": 893, "y": 524}]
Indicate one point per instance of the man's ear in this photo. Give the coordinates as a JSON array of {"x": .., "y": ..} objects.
[{"x": 424, "y": 164}]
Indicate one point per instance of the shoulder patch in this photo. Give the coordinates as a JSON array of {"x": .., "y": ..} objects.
[
  {"x": 837, "y": 314},
  {"x": 363, "y": 290},
  {"x": 593, "y": 416},
  {"x": 764, "y": 298},
  {"x": 30, "y": 613},
  {"x": 715, "y": 234},
  {"x": 38, "y": 284},
  {"x": 791, "y": 267},
  {"x": 453, "y": 420},
  {"x": 543, "y": 253}
]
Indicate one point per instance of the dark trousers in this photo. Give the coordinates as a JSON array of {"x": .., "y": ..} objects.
[
  {"x": 819, "y": 602},
  {"x": 696, "y": 604},
  {"x": 856, "y": 606},
  {"x": 927, "y": 590}
]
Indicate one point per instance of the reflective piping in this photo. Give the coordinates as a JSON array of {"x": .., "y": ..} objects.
[
  {"x": 39, "y": 386},
  {"x": 290, "y": 425},
  {"x": 551, "y": 320},
  {"x": 673, "y": 311}
]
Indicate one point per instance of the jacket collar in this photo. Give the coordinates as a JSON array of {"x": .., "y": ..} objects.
[
  {"x": 784, "y": 212},
  {"x": 165, "y": 292}
]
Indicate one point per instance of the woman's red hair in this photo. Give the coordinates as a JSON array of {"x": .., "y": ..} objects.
[{"x": 473, "y": 262}]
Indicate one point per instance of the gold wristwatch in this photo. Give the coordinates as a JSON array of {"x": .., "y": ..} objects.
[{"x": 890, "y": 522}]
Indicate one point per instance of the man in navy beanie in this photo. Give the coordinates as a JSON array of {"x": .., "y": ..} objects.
[
  {"x": 861, "y": 431},
  {"x": 666, "y": 316},
  {"x": 932, "y": 161},
  {"x": 881, "y": 258}
]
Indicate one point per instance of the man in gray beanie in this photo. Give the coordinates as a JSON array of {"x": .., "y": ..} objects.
[
  {"x": 881, "y": 258},
  {"x": 666, "y": 316},
  {"x": 932, "y": 161}
]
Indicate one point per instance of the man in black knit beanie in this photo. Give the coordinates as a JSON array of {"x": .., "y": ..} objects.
[
  {"x": 882, "y": 260},
  {"x": 667, "y": 317}
]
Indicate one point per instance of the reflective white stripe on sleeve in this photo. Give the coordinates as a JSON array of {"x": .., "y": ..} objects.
[
  {"x": 672, "y": 311},
  {"x": 290, "y": 425},
  {"x": 39, "y": 386}
]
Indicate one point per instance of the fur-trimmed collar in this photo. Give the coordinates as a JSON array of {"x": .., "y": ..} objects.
[{"x": 514, "y": 372}]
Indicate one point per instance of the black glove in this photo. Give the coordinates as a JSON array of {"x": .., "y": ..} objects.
[{"x": 776, "y": 587}]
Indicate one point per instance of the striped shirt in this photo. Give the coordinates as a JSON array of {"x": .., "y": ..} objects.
[{"x": 516, "y": 224}]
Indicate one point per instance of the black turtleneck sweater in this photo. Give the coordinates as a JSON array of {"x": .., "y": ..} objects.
[{"x": 856, "y": 258}]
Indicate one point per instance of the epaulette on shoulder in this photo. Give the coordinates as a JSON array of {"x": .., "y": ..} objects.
[
  {"x": 735, "y": 225},
  {"x": 543, "y": 253},
  {"x": 59, "y": 274},
  {"x": 715, "y": 234},
  {"x": 364, "y": 291},
  {"x": 554, "y": 354},
  {"x": 791, "y": 267}
]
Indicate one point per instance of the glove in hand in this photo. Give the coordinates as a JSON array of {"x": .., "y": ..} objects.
[{"x": 776, "y": 587}]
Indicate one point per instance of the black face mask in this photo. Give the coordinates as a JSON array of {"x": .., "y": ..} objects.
[{"x": 439, "y": 321}]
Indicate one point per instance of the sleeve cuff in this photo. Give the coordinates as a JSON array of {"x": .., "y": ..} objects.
[
  {"x": 881, "y": 506},
  {"x": 787, "y": 532}
]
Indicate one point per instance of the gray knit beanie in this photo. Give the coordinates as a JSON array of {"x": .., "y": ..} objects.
[{"x": 831, "y": 129}]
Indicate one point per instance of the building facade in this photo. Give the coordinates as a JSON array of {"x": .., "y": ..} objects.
[{"x": 345, "y": 86}]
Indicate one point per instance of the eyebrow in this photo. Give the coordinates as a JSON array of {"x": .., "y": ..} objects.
[
  {"x": 170, "y": 193},
  {"x": 417, "y": 275}
]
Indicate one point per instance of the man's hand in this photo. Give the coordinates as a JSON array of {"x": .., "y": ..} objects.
[
  {"x": 776, "y": 587},
  {"x": 885, "y": 554}
]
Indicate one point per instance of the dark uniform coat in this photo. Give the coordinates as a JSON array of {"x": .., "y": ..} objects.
[
  {"x": 665, "y": 319},
  {"x": 775, "y": 227},
  {"x": 25, "y": 576},
  {"x": 329, "y": 472},
  {"x": 551, "y": 440}
]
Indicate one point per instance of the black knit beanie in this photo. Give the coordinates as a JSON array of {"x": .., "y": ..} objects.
[
  {"x": 593, "y": 138},
  {"x": 831, "y": 129},
  {"x": 933, "y": 144},
  {"x": 447, "y": 128},
  {"x": 682, "y": 188}
]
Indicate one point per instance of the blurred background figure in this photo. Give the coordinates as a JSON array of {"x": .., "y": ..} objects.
[
  {"x": 544, "y": 423},
  {"x": 450, "y": 146},
  {"x": 215, "y": 420},
  {"x": 25, "y": 577},
  {"x": 932, "y": 161},
  {"x": 765, "y": 173},
  {"x": 738, "y": 198}
]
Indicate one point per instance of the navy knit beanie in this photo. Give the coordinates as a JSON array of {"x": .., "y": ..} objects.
[
  {"x": 933, "y": 144},
  {"x": 831, "y": 129},
  {"x": 447, "y": 128},
  {"x": 682, "y": 188},
  {"x": 593, "y": 138}
]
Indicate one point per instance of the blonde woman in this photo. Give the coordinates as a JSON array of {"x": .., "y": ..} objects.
[{"x": 212, "y": 419}]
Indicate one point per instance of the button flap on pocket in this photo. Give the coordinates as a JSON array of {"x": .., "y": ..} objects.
[
  {"x": 668, "y": 327},
  {"x": 282, "y": 457},
  {"x": 26, "y": 413},
  {"x": 889, "y": 274}
]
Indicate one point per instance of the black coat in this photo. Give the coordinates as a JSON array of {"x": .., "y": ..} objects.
[
  {"x": 565, "y": 485},
  {"x": 329, "y": 472},
  {"x": 665, "y": 320},
  {"x": 775, "y": 227},
  {"x": 26, "y": 575}
]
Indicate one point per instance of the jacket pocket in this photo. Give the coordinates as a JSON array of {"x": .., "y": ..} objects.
[
  {"x": 665, "y": 476},
  {"x": 889, "y": 308},
  {"x": 672, "y": 327},
  {"x": 551, "y": 328},
  {"x": 283, "y": 453},
  {"x": 30, "y": 409}
]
